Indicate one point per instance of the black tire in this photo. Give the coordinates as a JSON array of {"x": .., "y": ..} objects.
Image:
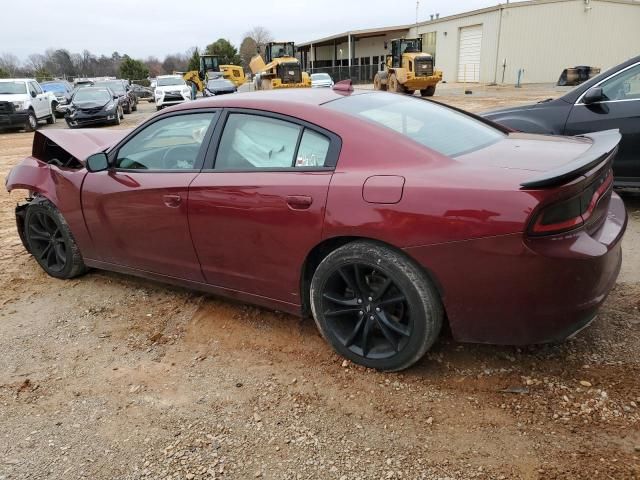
[
  {"x": 135, "y": 106},
  {"x": 409, "y": 92},
  {"x": 158, "y": 108},
  {"x": 32, "y": 122},
  {"x": 127, "y": 108},
  {"x": 118, "y": 117},
  {"x": 388, "y": 319},
  {"x": 51, "y": 242},
  {"x": 429, "y": 91}
]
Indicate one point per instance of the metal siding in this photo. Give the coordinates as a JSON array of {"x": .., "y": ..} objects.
[
  {"x": 469, "y": 54},
  {"x": 546, "y": 38},
  {"x": 448, "y": 43}
]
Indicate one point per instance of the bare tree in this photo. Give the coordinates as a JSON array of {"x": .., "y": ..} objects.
[
  {"x": 9, "y": 63},
  {"x": 248, "y": 48},
  {"x": 260, "y": 35},
  {"x": 36, "y": 61}
]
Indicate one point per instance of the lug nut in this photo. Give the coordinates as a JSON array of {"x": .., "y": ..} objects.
[
  {"x": 377, "y": 309},
  {"x": 370, "y": 299},
  {"x": 371, "y": 317},
  {"x": 359, "y": 300}
]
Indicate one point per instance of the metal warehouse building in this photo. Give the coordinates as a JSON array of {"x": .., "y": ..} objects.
[{"x": 539, "y": 38}]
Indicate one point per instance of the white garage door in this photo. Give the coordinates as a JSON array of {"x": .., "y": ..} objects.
[{"x": 469, "y": 54}]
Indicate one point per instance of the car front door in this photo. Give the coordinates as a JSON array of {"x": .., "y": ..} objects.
[
  {"x": 136, "y": 212},
  {"x": 619, "y": 109},
  {"x": 38, "y": 101},
  {"x": 258, "y": 209}
]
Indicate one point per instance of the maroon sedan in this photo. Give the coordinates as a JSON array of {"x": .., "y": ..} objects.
[{"x": 382, "y": 215}]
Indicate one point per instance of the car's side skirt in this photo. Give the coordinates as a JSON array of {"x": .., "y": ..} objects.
[{"x": 253, "y": 299}]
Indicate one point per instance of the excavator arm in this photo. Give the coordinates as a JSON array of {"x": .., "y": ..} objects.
[{"x": 194, "y": 77}]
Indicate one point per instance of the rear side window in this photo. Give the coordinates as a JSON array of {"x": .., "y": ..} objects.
[
  {"x": 435, "y": 126},
  {"x": 252, "y": 141}
]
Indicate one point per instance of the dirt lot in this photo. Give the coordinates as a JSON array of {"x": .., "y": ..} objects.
[{"x": 112, "y": 377}]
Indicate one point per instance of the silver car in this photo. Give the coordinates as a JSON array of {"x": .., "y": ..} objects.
[{"x": 321, "y": 80}]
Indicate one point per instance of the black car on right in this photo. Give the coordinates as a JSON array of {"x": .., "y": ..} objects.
[{"x": 610, "y": 100}]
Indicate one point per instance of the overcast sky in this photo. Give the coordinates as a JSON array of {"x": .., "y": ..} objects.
[{"x": 160, "y": 27}]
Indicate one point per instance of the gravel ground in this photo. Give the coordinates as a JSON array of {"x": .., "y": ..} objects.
[{"x": 112, "y": 377}]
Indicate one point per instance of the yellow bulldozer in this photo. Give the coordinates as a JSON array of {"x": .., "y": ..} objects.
[
  {"x": 408, "y": 69},
  {"x": 210, "y": 68},
  {"x": 279, "y": 68}
]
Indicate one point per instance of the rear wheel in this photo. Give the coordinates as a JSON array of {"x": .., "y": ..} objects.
[
  {"x": 52, "y": 118},
  {"x": 429, "y": 91},
  {"x": 32, "y": 122},
  {"x": 375, "y": 306},
  {"x": 50, "y": 241},
  {"x": 409, "y": 92},
  {"x": 127, "y": 108},
  {"x": 377, "y": 83}
]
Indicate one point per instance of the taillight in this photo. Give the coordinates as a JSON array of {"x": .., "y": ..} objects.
[{"x": 568, "y": 214}]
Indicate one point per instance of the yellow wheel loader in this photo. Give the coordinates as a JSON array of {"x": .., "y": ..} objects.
[
  {"x": 408, "y": 69},
  {"x": 210, "y": 69},
  {"x": 279, "y": 68}
]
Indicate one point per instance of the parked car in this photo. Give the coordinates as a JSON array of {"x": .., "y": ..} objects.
[
  {"x": 219, "y": 86},
  {"x": 94, "y": 105},
  {"x": 23, "y": 104},
  {"x": 321, "y": 80},
  {"x": 142, "y": 92},
  {"x": 609, "y": 100},
  {"x": 379, "y": 214},
  {"x": 171, "y": 90},
  {"x": 126, "y": 98},
  {"x": 62, "y": 90}
]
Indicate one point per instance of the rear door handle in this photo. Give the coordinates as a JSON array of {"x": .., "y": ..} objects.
[
  {"x": 299, "y": 202},
  {"x": 172, "y": 201}
]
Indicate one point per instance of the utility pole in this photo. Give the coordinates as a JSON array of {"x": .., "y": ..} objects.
[{"x": 417, "y": 7}]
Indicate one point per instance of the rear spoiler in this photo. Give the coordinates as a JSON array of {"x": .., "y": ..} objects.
[{"x": 604, "y": 147}]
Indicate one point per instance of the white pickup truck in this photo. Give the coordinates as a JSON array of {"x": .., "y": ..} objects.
[{"x": 23, "y": 104}]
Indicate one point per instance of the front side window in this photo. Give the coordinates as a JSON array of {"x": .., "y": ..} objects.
[
  {"x": 168, "y": 144},
  {"x": 625, "y": 86},
  {"x": 437, "y": 127},
  {"x": 258, "y": 142}
]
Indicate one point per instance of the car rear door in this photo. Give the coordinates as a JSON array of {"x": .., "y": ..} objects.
[
  {"x": 39, "y": 102},
  {"x": 258, "y": 207},
  {"x": 136, "y": 212},
  {"x": 620, "y": 110}
]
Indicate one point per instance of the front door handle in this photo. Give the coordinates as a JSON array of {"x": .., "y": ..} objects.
[
  {"x": 299, "y": 202},
  {"x": 172, "y": 201}
]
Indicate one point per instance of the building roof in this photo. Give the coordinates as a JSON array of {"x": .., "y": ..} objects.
[{"x": 382, "y": 30}]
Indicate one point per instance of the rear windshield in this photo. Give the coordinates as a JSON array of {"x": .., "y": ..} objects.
[
  {"x": 92, "y": 94},
  {"x": 167, "y": 81},
  {"x": 435, "y": 126},
  {"x": 53, "y": 87},
  {"x": 116, "y": 86}
]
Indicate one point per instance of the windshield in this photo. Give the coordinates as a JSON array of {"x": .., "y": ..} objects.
[
  {"x": 116, "y": 86},
  {"x": 164, "y": 82},
  {"x": 8, "y": 88},
  {"x": 53, "y": 87},
  {"x": 219, "y": 84},
  {"x": 411, "y": 46},
  {"x": 435, "y": 126},
  {"x": 320, "y": 76},
  {"x": 89, "y": 94},
  {"x": 281, "y": 50}
]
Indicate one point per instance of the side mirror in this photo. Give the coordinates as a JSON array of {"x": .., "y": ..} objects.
[
  {"x": 98, "y": 162},
  {"x": 115, "y": 97},
  {"x": 593, "y": 95},
  {"x": 33, "y": 93}
]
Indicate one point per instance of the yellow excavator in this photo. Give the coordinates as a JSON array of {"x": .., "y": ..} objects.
[
  {"x": 210, "y": 69},
  {"x": 408, "y": 69},
  {"x": 279, "y": 68}
]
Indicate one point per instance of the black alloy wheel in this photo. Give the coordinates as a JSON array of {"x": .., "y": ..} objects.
[
  {"x": 375, "y": 305},
  {"x": 47, "y": 242},
  {"x": 367, "y": 311},
  {"x": 50, "y": 241}
]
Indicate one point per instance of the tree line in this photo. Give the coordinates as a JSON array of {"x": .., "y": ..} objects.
[{"x": 61, "y": 63}]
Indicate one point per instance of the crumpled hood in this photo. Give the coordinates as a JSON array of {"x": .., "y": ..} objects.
[
  {"x": 83, "y": 143},
  {"x": 90, "y": 104}
]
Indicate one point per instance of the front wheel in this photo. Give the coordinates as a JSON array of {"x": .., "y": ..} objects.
[
  {"x": 375, "y": 306},
  {"x": 52, "y": 118},
  {"x": 118, "y": 116},
  {"x": 429, "y": 91},
  {"x": 50, "y": 241}
]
